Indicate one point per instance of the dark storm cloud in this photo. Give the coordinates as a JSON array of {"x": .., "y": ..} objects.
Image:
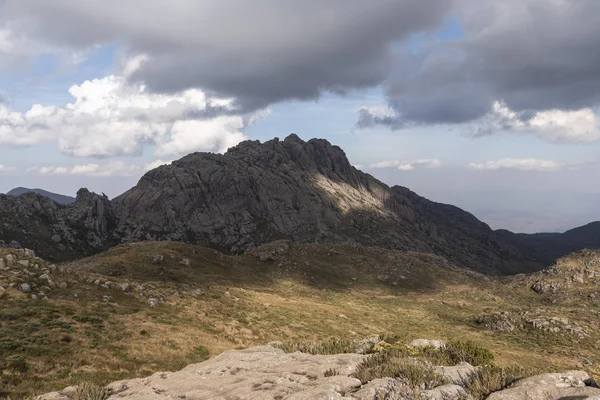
[
  {"x": 258, "y": 52},
  {"x": 532, "y": 55}
]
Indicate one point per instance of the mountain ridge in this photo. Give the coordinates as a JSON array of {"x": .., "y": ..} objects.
[
  {"x": 304, "y": 191},
  {"x": 59, "y": 198}
]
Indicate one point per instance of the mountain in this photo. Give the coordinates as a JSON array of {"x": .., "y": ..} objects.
[
  {"x": 255, "y": 193},
  {"x": 58, "y": 231},
  {"x": 59, "y": 198},
  {"x": 305, "y": 192}
]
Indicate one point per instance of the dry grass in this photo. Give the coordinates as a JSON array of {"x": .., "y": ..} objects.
[
  {"x": 492, "y": 378},
  {"x": 296, "y": 299},
  {"x": 415, "y": 373}
]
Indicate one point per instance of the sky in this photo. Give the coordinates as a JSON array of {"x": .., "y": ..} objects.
[{"x": 491, "y": 106}]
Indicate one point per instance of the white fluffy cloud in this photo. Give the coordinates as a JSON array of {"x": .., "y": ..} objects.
[
  {"x": 522, "y": 164},
  {"x": 553, "y": 125},
  {"x": 113, "y": 168},
  {"x": 110, "y": 117},
  {"x": 407, "y": 165}
]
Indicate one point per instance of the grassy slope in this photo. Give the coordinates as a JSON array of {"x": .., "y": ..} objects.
[{"x": 305, "y": 293}]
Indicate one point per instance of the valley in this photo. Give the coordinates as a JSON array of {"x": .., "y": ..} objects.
[{"x": 158, "y": 306}]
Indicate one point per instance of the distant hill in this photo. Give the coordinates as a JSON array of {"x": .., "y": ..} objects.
[{"x": 59, "y": 198}]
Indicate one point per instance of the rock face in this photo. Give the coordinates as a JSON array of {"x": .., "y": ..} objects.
[
  {"x": 58, "y": 231},
  {"x": 306, "y": 192},
  {"x": 257, "y": 193},
  {"x": 267, "y": 372},
  {"x": 567, "y": 385}
]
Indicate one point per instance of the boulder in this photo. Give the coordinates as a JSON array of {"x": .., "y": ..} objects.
[
  {"x": 24, "y": 287},
  {"x": 386, "y": 388},
  {"x": 461, "y": 374},
  {"x": 446, "y": 392},
  {"x": 566, "y": 385}
]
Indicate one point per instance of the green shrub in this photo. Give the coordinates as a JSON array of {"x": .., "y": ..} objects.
[
  {"x": 201, "y": 352},
  {"x": 87, "y": 319},
  {"x": 459, "y": 351},
  {"x": 414, "y": 373},
  {"x": 17, "y": 363}
]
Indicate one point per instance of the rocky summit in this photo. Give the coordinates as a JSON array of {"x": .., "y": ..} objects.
[{"x": 256, "y": 193}]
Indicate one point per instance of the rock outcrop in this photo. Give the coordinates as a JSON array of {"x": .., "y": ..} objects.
[
  {"x": 56, "y": 231},
  {"x": 567, "y": 385},
  {"x": 267, "y": 372}
]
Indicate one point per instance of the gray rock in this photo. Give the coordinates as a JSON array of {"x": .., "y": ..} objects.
[
  {"x": 153, "y": 302},
  {"x": 566, "y": 385},
  {"x": 2, "y": 263},
  {"x": 45, "y": 277},
  {"x": 185, "y": 261},
  {"x": 56, "y": 238},
  {"x": 24, "y": 287},
  {"x": 158, "y": 258},
  {"x": 34, "y": 297},
  {"x": 461, "y": 374},
  {"x": 10, "y": 257},
  {"x": 29, "y": 253},
  {"x": 257, "y": 373},
  {"x": 2, "y": 291},
  {"x": 24, "y": 263},
  {"x": 386, "y": 388},
  {"x": 126, "y": 287},
  {"x": 446, "y": 392},
  {"x": 365, "y": 345}
]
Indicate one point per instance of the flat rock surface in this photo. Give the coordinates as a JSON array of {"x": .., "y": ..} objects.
[
  {"x": 566, "y": 385},
  {"x": 257, "y": 373}
]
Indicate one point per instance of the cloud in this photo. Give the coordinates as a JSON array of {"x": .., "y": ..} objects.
[
  {"x": 406, "y": 165},
  {"x": 521, "y": 164},
  {"x": 259, "y": 53},
  {"x": 380, "y": 115},
  {"x": 553, "y": 125},
  {"x": 5, "y": 168},
  {"x": 112, "y": 168},
  {"x": 111, "y": 117},
  {"x": 525, "y": 55}
]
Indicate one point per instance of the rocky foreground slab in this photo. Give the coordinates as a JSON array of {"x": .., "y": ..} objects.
[{"x": 267, "y": 372}]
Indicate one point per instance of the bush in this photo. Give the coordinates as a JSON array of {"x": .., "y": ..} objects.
[
  {"x": 415, "y": 374},
  {"x": 17, "y": 363},
  {"x": 201, "y": 352},
  {"x": 322, "y": 348},
  {"x": 88, "y": 391},
  {"x": 459, "y": 351},
  {"x": 492, "y": 378}
]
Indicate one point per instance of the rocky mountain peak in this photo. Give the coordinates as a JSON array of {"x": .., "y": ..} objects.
[{"x": 255, "y": 193}]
